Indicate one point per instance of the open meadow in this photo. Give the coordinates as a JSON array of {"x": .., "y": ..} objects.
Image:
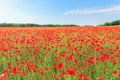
[{"x": 60, "y": 53}]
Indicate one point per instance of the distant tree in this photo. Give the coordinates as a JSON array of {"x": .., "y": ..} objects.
[
  {"x": 107, "y": 24},
  {"x": 113, "y": 23},
  {"x": 117, "y": 22}
]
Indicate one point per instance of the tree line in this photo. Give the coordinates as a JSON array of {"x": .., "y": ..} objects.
[
  {"x": 112, "y": 23},
  {"x": 33, "y": 25}
]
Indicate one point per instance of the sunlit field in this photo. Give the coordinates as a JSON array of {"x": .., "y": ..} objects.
[{"x": 60, "y": 53}]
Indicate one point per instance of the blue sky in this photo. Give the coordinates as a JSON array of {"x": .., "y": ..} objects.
[{"x": 81, "y": 12}]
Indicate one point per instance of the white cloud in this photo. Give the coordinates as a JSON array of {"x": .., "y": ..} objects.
[{"x": 114, "y": 9}]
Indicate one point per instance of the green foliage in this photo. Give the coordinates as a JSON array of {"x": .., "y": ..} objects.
[
  {"x": 117, "y": 22},
  {"x": 107, "y": 24},
  {"x": 113, "y": 23},
  {"x": 33, "y": 25}
]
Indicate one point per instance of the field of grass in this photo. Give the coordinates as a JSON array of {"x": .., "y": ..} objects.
[{"x": 60, "y": 53}]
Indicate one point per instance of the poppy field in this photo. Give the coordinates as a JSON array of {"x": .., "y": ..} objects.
[{"x": 60, "y": 53}]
